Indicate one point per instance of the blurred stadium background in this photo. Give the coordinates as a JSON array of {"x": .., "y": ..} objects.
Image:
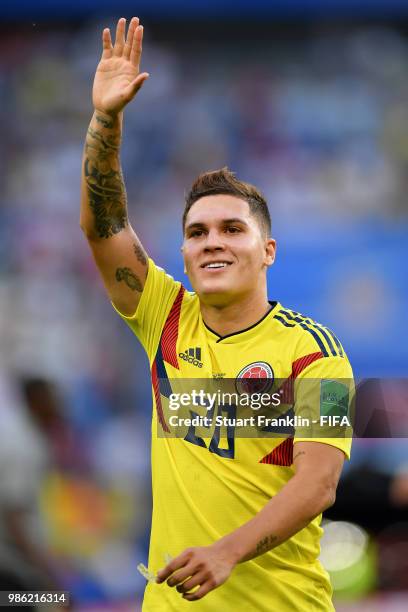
[{"x": 306, "y": 99}]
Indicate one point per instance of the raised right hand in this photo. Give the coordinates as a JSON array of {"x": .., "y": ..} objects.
[{"x": 117, "y": 78}]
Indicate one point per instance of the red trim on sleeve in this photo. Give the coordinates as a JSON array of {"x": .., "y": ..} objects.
[
  {"x": 281, "y": 455},
  {"x": 156, "y": 389},
  {"x": 167, "y": 351},
  {"x": 170, "y": 331},
  {"x": 301, "y": 364},
  {"x": 287, "y": 387}
]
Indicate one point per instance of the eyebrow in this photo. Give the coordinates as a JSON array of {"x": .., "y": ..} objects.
[{"x": 200, "y": 224}]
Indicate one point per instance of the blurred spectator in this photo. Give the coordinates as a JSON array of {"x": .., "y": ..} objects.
[
  {"x": 25, "y": 562},
  {"x": 373, "y": 491},
  {"x": 65, "y": 451}
]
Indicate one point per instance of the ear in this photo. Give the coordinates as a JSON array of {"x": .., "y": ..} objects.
[
  {"x": 182, "y": 252},
  {"x": 270, "y": 251}
]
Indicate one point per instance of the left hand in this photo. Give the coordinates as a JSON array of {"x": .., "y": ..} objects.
[{"x": 205, "y": 566}]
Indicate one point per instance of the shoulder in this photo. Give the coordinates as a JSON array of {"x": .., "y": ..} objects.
[
  {"x": 307, "y": 335},
  {"x": 184, "y": 306}
]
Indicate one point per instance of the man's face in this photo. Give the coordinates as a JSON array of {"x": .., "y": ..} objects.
[{"x": 225, "y": 253}]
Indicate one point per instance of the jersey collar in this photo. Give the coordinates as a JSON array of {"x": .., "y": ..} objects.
[{"x": 243, "y": 334}]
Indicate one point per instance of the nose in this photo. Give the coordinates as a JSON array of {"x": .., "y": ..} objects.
[{"x": 213, "y": 242}]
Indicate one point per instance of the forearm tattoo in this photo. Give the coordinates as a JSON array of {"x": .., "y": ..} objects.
[
  {"x": 104, "y": 179},
  {"x": 265, "y": 544},
  {"x": 129, "y": 278},
  {"x": 105, "y": 122}
]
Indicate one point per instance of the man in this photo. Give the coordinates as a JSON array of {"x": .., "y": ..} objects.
[
  {"x": 241, "y": 521},
  {"x": 25, "y": 559}
]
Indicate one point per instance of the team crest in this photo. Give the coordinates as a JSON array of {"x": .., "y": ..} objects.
[{"x": 256, "y": 377}]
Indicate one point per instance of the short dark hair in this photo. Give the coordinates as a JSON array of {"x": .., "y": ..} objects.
[{"x": 223, "y": 181}]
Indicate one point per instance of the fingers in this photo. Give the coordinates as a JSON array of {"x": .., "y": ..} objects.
[
  {"x": 136, "y": 85},
  {"x": 106, "y": 44},
  {"x": 199, "y": 578},
  {"x": 181, "y": 575},
  {"x": 134, "y": 22},
  {"x": 129, "y": 46},
  {"x": 180, "y": 562},
  {"x": 136, "y": 50},
  {"x": 183, "y": 558},
  {"x": 203, "y": 590},
  {"x": 120, "y": 37}
]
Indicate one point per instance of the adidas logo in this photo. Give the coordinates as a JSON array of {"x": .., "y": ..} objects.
[{"x": 193, "y": 356}]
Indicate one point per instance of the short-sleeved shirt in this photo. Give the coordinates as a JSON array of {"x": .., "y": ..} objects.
[{"x": 202, "y": 490}]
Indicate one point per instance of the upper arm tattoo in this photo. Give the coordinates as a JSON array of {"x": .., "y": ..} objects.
[
  {"x": 298, "y": 454},
  {"x": 130, "y": 279},
  {"x": 104, "y": 180},
  {"x": 140, "y": 254}
]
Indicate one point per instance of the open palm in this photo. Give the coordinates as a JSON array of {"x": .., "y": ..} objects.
[{"x": 117, "y": 78}]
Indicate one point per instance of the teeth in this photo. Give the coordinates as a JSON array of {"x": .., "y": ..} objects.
[{"x": 216, "y": 265}]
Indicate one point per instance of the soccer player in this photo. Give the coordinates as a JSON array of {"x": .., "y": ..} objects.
[{"x": 241, "y": 521}]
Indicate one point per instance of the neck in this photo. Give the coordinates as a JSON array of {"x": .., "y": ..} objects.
[{"x": 234, "y": 317}]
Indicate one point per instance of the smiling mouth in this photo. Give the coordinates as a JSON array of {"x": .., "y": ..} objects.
[{"x": 216, "y": 265}]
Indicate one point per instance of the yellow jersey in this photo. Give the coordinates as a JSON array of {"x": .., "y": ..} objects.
[{"x": 204, "y": 488}]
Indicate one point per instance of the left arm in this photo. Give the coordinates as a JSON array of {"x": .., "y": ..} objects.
[{"x": 309, "y": 492}]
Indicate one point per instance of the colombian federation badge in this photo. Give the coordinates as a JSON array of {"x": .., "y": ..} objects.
[{"x": 256, "y": 377}]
